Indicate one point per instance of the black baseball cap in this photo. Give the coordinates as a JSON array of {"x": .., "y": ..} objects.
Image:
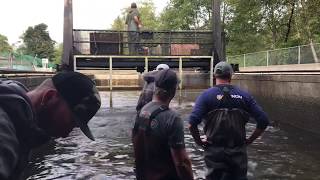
[
  {"x": 166, "y": 79},
  {"x": 223, "y": 69},
  {"x": 82, "y": 96}
]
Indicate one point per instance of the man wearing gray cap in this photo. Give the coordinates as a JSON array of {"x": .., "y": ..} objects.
[
  {"x": 225, "y": 110},
  {"x": 29, "y": 119},
  {"x": 158, "y": 136},
  {"x": 148, "y": 88}
]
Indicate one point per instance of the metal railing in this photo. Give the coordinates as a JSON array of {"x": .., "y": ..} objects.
[
  {"x": 156, "y": 43},
  {"x": 146, "y": 58},
  {"x": 304, "y": 54}
]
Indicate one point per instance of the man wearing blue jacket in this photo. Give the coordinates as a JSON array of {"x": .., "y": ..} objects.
[
  {"x": 29, "y": 119},
  {"x": 225, "y": 110}
]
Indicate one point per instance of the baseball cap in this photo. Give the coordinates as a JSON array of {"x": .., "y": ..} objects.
[
  {"x": 166, "y": 79},
  {"x": 82, "y": 96},
  {"x": 162, "y": 67},
  {"x": 223, "y": 69}
]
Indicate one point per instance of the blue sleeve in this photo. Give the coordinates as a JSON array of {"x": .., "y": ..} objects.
[
  {"x": 200, "y": 109},
  {"x": 258, "y": 114}
]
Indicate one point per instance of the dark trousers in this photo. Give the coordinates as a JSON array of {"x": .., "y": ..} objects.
[
  {"x": 134, "y": 43},
  {"x": 226, "y": 163}
]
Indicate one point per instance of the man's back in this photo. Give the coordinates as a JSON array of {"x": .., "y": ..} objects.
[
  {"x": 210, "y": 100},
  {"x": 132, "y": 25},
  {"x": 166, "y": 132}
]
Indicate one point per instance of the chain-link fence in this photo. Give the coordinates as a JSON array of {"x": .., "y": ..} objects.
[
  {"x": 17, "y": 61},
  {"x": 305, "y": 54}
]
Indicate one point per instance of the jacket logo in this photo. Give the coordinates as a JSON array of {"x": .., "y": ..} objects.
[{"x": 219, "y": 97}]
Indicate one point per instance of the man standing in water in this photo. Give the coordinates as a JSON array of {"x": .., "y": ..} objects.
[
  {"x": 29, "y": 119},
  {"x": 158, "y": 136},
  {"x": 225, "y": 110},
  {"x": 134, "y": 25},
  {"x": 149, "y": 87}
]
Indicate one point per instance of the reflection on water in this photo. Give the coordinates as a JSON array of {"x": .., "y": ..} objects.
[{"x": 277, "y": 155}]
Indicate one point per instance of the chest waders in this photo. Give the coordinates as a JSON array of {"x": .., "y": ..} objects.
[
  {"x": 226, "y": 157},
  {"x": 152, "y": 154}
]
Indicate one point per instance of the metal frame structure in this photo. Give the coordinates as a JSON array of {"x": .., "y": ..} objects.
[
  {"x": 68, "y": 53},
  {"x": 147, "y": 58}
]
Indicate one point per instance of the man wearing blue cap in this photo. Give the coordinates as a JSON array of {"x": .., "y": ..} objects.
[
  {"x": 225, "y": 110},
  {"x": 29, "y": 119}
]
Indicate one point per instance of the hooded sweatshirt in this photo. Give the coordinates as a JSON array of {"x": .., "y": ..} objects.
[
  {"x": 19, "y": 132},
  {"x": 148, "y": 89}
]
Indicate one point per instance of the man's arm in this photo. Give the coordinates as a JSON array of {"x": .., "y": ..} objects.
[
  {"x": 200, "y": 109},
  {"x": 178, "y": 152},
  {"x": 137, "y": 21},
  {"x": 182, "y": 163},
  {"x": 260, "y": 117},
  {"x": 196, "y": 136},
  {"x": 8, "y": 146}
]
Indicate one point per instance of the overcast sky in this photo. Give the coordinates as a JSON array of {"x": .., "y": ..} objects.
[{"x": 17, "y": 15}]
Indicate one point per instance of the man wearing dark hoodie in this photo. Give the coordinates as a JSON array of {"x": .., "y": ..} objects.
[
  {"x": 149, "y": 86},
  {"x": 134, "y": 25},
  {"x": 29, "y": 119}
]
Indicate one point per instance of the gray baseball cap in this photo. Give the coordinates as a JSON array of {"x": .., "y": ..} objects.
[{"x": 223, "y": 69}]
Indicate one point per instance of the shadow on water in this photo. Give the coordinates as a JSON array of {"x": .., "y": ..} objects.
[{"x": 278, "y": 154}]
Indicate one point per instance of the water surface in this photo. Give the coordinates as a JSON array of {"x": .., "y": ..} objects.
[{"x": 279, "y": 154}]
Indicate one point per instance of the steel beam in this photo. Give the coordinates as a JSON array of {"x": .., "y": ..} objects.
[{"x": 67, "y": 54}]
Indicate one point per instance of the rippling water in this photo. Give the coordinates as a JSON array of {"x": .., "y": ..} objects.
[{"x": 278, "y": 154}]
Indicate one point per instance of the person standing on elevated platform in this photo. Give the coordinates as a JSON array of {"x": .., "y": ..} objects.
[
  {"x": 134, "y": 26},
  {"x": 28, "y": 119},
  {"x": 226, "y": 109},
  {"x": 158, "y": 136}
]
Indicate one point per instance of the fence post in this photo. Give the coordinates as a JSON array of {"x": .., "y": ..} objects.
[
  {"x": 211, "y": 71},
  {"x": 181, "y": 79},
  {"x": 267, "y": 58},
  {"x": 110, "y": 80},
  {"x": 180, "y": 73},
  {"x": 299, "y": 54},
  {"x": 244, "y": 60},
  {"x": 74, "y": 63},
  {"x": 146, "y": 65}
]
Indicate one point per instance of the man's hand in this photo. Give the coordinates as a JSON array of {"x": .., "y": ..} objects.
[
  {"x": 139, "y": 26},
  {"x": 204, "y": 142},
  {"x": 201, "y": 141},
  {"x": 182, "y": 163},
  {"x": 254, "y": 136}
]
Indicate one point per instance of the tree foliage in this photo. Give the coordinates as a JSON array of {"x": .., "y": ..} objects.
[
  {"x": 250, "y": 25},
  {"x": 148, "y": 17},
  {"x": 38, "y": 42},
  {"x": 4, "y": 45},
  {"x": 57, "y": 55}
]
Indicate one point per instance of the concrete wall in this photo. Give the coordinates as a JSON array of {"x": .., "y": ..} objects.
[
  {"x": 30, "y": 82},
  {"x": 288, "y": 99}
]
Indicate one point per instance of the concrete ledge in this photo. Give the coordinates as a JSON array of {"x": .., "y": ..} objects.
[
  {"x": 30, "y": 82},
  {"x": 290, "y": 67},
  {"x": 288, "y": 99}
]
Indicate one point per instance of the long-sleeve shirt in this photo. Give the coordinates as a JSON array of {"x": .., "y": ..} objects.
[{"x": 209, "y": 101}]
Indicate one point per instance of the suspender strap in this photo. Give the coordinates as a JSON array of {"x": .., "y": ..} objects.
[{"x": 144, "y": 123}]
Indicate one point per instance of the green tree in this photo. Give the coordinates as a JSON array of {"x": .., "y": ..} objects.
[
  {"x": 4, "y": 45},
  {"x": 38, "y": 42},
  {"x": 148, "y": 17},
  {"x": 57, "y": 54},
  {"x": 119, "y": 24}
]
